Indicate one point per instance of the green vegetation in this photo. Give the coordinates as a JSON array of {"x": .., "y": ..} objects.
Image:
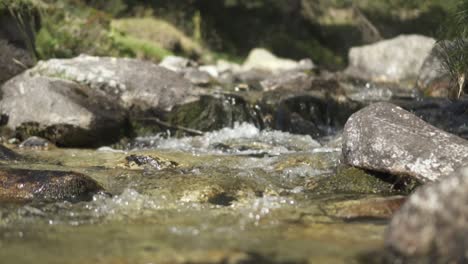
[
  {"x": 19, "y": 5},
  {"x": 141, "y": 49},
  {"x": 452, "y": 48},
  {"x": 207, "y": 30},
  {"x": 158, "y": 32},
  {"x": 69, "y": 29}
]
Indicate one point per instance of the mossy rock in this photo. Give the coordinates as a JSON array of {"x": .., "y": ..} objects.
[
  {"x": 350, "y": 180},
  {"x": 213, "y": 113},
  {"x": 209, "y": 113}
]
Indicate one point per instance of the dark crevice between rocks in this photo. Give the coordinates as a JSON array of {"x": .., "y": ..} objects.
[
  {"x": 222, "y": 199},
  {"x": 400, "y": 183},
  {"x": 209, "y": 113},
  {"x": 71, "y": 136},
  {"x": 306, "y": 114}
]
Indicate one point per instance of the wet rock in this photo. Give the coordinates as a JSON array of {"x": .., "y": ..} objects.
[
  {"x": 224, "y": 66},
  {"x": 356, "y": 181},
  {"x": 197, "y": 77},
  {"x": 431, "y": 226},
  {"x": 62, "y": 111},
  {"x": 177, "y": 64},
  {"x": 214, "y": 194},
  {"x": 147, "y": 162},
  {"x": 219, "y": 256},
  {"x": 294, "y": 80},
  {"x": 384, "y": 137},
  {"x": 20, "y": 185},
  {"x": 262, "y": 59},
  {"x": 368, "y": 208},
  {"x": 36, "y": 143},
  {"x": 214, "y": 113},
  {"x": 433, "y": 80},
  {"x": 134, "y": 84},
  {"x": 310, "y": 114},
  {"x": 7, "y": 154},
  {"x": 368, "y": 92},
  {"x": 252, "y": 78},
  {"x": 393, "y": 60}
]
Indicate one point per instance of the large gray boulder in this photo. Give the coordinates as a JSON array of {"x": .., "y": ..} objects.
[
  {"x": 394, "y": 60},
  {"x": 63, "y": 111},
  {"x": 432, "y": 226},
  {"x": 385, "y": 138},
  {"x": 134, "y": 84}
]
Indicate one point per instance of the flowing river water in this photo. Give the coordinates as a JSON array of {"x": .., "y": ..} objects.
[{"x": 234, "y": 195}]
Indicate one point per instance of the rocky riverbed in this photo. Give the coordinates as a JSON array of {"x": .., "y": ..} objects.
[
  {"x": 119, "y": 160},
  {"x": 238, "y": 195}
]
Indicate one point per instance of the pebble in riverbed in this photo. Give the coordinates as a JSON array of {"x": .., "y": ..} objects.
[
  {"x": 137, "y": 162},
  {"x": 36, "y": 143}
]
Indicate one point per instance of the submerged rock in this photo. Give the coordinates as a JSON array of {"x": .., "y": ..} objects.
[
  {"x": 432, "y": 225},
  {"x": 214, "y": 112},
  {"x": 356, "y": 181},
  {"x": 393, "y": 60},
  {"x": 379, "y": 208},
  {"x": 384, "y": 137},
  {"x": 36, "y": 143},
  {"x": 21, "y": 185},
  {"x": 146, "y": 161},
  {"x": 62, "y": 111}
]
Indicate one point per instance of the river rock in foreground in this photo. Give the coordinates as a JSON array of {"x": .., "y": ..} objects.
[
  {"x": 432, "y": 226},
  {"x": 32, "y": 185},
  {"x": 384, "y": 137}
]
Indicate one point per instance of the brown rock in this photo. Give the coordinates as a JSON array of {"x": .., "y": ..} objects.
[{"x": 21, "y": 185}]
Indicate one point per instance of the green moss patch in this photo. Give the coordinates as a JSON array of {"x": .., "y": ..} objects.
[
  {"x": 356, "y": 181},
  {"x": 156, "y": 32}
]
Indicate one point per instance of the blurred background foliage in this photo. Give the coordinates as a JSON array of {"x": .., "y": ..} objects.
[{"x": 205, "y": 30}]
